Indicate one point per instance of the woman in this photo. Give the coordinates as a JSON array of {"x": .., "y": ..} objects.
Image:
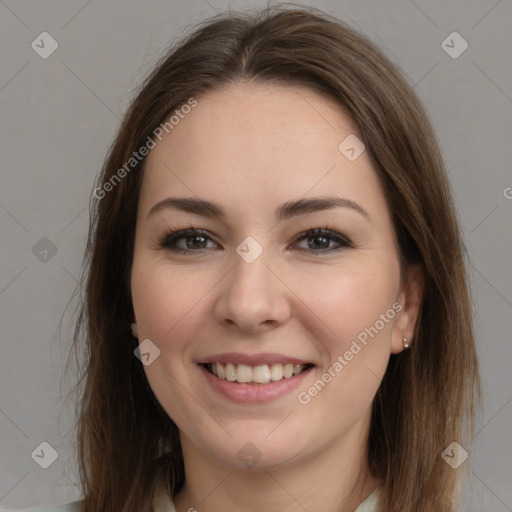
[{"x": 276, "y": 311}]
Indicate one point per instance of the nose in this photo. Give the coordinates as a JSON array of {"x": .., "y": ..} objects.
[{"x": 252, "y": 297}]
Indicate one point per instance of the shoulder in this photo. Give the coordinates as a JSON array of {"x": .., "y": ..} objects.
[{"x": 69, "y": 507}]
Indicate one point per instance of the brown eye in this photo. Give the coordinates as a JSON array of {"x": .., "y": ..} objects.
[
  {"x": 186, "y": 240},
  {"x": 321, "y": 240}
]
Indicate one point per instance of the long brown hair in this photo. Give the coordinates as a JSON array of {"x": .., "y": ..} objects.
[{"x": 126, "y": 441}]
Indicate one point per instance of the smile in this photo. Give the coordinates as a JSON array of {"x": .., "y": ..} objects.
[{"x": 260, "y": 374}]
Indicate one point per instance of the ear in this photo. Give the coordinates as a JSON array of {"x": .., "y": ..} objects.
[{"x": 410, "y": 297}]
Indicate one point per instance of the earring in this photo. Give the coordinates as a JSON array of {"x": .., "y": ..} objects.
[{"x": 404, "y": 340}]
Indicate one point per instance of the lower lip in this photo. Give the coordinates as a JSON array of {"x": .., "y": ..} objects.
[{"x": 254, "y": 393}]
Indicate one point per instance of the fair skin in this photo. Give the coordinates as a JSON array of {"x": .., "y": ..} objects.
[{"x": 250, "y": 148}]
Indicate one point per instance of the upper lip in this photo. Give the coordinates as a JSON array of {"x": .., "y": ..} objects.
[{"x": 252, "y": 359}]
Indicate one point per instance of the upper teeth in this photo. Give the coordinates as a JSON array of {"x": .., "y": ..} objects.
[{"x": 261, "y": 374}]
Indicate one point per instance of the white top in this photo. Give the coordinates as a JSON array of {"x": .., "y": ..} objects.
[
  {"x": 370, "y": 503},
  {"x": 163, "y": 503}
]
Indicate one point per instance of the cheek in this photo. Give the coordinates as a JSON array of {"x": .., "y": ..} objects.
[
  {"x": 351, "y": 298},
  {"x": 355, "y": 313},
  {"x": 168, "y": 302},
  {"x": 357, "y": 306},
  {"x": 168, "y": 308}
]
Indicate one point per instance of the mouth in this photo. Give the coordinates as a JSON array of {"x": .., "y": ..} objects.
[
  {"x": 254, "y": 378},
  {"x": 255, "y": 375}
]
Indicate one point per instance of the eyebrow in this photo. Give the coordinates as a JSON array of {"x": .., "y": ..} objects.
[{"x": 285, "y": 211}]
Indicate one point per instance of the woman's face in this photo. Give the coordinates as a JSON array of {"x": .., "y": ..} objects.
[{"x": 252, "y": 296}]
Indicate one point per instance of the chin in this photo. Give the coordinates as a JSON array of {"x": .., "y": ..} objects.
[{"x": 256, "y": 452}]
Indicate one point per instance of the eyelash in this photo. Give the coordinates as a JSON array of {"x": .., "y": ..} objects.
[{"x": 169, "y": 240}]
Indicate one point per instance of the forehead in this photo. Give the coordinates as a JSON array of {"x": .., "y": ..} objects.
[{"x": 253, "y": 145}]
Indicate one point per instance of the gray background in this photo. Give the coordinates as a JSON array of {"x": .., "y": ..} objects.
[{"x": 60, "y": 114}]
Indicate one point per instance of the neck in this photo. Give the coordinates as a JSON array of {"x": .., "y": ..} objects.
[{"x": 336, "y": 479}]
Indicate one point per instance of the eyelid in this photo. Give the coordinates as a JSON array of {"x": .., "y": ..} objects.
[
  {"x": 177, "y": 234},
  {"x": 343, "y": 241}
]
